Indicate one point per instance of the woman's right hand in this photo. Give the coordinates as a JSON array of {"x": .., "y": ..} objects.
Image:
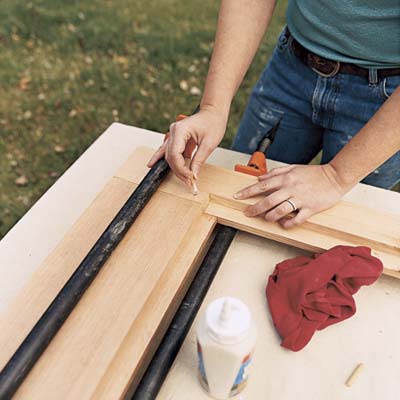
[{"x": 206, "y": 129}]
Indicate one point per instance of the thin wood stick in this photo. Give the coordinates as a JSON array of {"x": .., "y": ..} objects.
[
  {"x": 195, "y": 189},
  {"x": 354, "y": 374}
]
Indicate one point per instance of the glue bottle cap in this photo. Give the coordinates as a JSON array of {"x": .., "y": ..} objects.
[{"x": 228, "y": 320}]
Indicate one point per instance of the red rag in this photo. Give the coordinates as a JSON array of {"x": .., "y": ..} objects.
[{"x": 306, "y": 294}]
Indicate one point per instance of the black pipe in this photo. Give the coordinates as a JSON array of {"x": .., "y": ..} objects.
[
  {"x": 51, "y": 321},
  {"x": 159, "y": 366}
]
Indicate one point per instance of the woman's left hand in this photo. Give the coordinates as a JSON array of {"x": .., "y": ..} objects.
[{"x": 307, "y": 189}]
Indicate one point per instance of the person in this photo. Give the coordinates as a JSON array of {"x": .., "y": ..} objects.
[{"x": 332, "y": 84}]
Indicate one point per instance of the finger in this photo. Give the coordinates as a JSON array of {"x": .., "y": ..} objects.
[
  {"x": 266, "y": 204},
  {"x": 301, "y": 217},
  {"x": 260, "y": 187},
  {"x": 280, "y": 211},
  {"x": 160, "y": 153},
  {"x": 199, "y": 158},
  {"x": 174, "y": 152},
  {"x": 276, "y": 172}
]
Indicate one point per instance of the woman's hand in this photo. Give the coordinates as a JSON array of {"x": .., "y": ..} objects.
[
  {"x": 310, "y": 189},
  {"x": 206, "y": 129}
]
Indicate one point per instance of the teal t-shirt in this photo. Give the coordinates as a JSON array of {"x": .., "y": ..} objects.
[{"x": 363, "y": 32}]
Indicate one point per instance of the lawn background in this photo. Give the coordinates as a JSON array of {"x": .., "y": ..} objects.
[{"x": 69, "y": 69}]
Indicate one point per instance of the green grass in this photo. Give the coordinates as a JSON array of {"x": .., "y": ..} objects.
[{"x": 69, "y": 69}]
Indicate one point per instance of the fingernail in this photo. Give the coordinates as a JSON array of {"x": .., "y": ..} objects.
[
  {"x": 195, "y": 176},
  {"x": 237, "y": 196}
]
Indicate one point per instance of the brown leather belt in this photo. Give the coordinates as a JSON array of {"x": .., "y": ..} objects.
[{"x": 329, "y": 68}]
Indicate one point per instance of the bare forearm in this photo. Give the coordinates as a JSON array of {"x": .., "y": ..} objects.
[
  {"x": 377, "y": 141},
  {"x": 241, "y": 26}
]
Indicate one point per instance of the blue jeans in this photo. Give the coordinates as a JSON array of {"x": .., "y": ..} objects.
[{"x": 312, "y": 112}]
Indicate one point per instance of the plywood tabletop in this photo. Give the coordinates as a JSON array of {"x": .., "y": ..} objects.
[{"x": 320, "y": 370}]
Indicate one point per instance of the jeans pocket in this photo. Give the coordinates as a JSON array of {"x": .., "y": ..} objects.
[
  {"x": 257, "y": 123},
  {"x": 388, "y": 85}
]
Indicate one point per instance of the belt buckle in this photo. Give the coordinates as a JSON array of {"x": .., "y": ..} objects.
[{"x": 321, "y": 61}]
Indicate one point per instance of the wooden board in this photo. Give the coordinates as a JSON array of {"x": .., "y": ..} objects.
[
  {"x": 121, "y": 313},
  {"x": 301, "y": 237},
  {"x": 346, "y": 223},
  {"x": 128, "y": 364},
  {"x": 107, "y": 341}
]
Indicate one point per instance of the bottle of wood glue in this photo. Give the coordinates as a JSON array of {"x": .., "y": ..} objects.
[{"x": 226, "y": 337}]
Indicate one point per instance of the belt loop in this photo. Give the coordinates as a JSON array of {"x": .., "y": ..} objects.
[
  {"x": 290, "y": 41},
  {"x": 372, "y": 76}
]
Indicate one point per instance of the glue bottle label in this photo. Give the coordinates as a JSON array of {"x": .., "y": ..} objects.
[
  {"x": 242, "y": 376},
  {"x": 202, "y": 370}
]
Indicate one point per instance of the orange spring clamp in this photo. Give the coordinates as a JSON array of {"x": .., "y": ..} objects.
[{"x": 256, "y": 166}]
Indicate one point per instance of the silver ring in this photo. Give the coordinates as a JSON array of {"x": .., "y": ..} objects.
[{"x": 291, "y": 202}]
